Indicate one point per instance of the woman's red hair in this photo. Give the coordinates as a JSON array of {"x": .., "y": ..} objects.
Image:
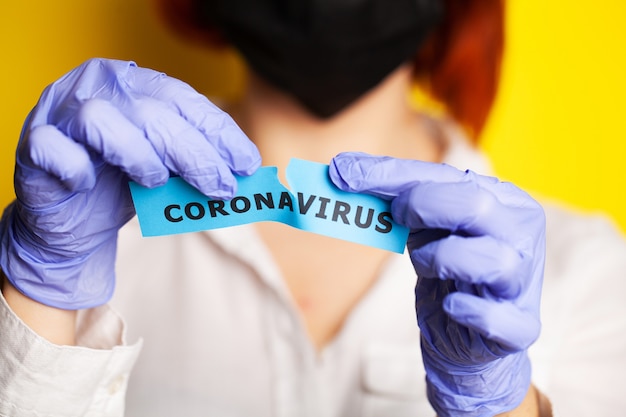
[{"x": 459, "y": 64}]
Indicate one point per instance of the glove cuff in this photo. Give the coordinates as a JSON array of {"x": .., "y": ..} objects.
[
  {"x": 69, "y": 283},
  {"x": 478, "y": 391}
]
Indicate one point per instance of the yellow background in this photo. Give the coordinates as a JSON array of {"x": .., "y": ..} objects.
[{"x": 557, "y": 129}]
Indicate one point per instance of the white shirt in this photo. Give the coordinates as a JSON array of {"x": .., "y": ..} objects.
[{"x": 219, "y": 334}]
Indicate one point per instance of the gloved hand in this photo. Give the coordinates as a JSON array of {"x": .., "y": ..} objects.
[
  {"x": 478, "y": 247},
  {"x": 92, "y": 130}
]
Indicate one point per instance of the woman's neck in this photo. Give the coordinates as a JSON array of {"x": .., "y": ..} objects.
[
  {"x": 337, "y": 273},
  {"x": 381, "y": 122}
]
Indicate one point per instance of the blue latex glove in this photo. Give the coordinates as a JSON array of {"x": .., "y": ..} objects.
[
  {"x": 478, "y": 247},
  {"x": 95, "y": 128}
]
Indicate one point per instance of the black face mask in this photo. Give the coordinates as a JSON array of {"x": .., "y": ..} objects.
[{"x": 325, "y": 53}]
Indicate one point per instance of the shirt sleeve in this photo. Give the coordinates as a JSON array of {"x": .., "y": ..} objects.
[
  {"x": 39, "y": 378},
  {"x": 583, "y": 358}
]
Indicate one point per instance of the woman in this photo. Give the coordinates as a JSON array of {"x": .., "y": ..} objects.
[{"x": 237, "y": 322}]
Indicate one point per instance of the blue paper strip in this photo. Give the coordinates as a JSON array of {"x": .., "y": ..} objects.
[{"x": 314, "y": 204}]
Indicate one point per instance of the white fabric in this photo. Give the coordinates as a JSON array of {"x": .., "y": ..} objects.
[{"x": 222, "y": 337}]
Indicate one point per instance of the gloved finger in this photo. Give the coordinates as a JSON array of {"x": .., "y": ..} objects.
[
  {"x": 183, "y": 148},
  {"x": 385, "y": 176},
  {"x": 101, "y": 127},
  {"x": 473, "y": 260},
  {"x": 66, "y": 166},
  {"x": 500, "y": 321},
  {"x": 391, "y": 177},
  {"x": 123, "y": 83},
  {"x": 465, "y": 208},
  {"x": 235, "y": 148}
]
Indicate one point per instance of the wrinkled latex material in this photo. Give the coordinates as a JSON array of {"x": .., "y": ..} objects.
[
  {"x": 92, "y": 130},
  {"x": 478, "y": 247}
]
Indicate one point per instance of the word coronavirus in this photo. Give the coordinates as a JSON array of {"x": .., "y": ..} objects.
[{"x": 305, "y": 205}]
